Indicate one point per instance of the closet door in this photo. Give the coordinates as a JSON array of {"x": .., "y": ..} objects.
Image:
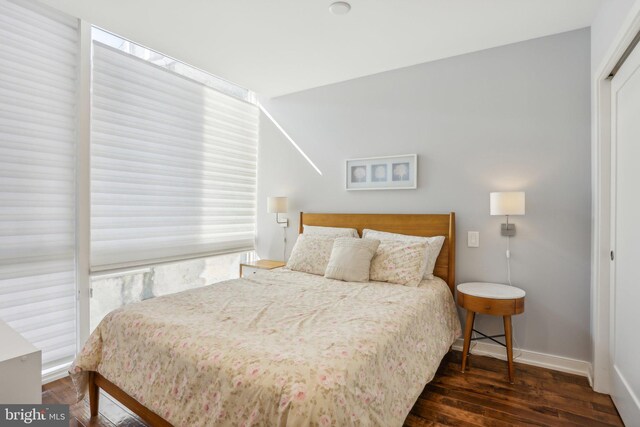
[{"x": 625, "y": 215}]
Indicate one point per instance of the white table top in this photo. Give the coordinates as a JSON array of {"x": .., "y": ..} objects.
[{"x": 490, "y": 290}]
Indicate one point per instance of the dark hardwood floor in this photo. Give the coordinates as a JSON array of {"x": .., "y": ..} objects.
[{"x": 480, "y": 397}]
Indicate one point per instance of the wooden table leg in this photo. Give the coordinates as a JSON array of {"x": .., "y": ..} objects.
[
  {"x": 94, "y": 395},
  {"x": 468, "y": 328},
  {"x": 507, "y": 337}
]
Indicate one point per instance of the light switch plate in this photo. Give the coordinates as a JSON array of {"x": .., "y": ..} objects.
[{"x": 473, "y": 239}]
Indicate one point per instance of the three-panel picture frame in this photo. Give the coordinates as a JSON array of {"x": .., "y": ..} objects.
[{"x": 382, "y": 173}]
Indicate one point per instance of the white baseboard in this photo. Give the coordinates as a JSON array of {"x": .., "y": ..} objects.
[
  {"x": 55, "y": 373},
  {"x": 543, "y": 360}
]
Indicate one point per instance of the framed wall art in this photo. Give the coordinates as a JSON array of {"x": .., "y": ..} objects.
[{"x": 383, "y": 173}]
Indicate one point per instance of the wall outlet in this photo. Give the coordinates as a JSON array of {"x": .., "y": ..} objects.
[{"x": 473, "y": 239}]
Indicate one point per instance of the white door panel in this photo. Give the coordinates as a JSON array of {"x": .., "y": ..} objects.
[{"x": 625, "y": 271}]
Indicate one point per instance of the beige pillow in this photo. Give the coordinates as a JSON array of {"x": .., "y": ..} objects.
[
  {"x": 351, "y": 259},
  {"x": 399, "y": 262},
  {"x": 330, "y": 231},
  {"x": 434, "y": 245},
  {"x": 311, "y": 254}
]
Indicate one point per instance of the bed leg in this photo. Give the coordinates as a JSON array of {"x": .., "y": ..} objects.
[{"x": 94, "y": 395}]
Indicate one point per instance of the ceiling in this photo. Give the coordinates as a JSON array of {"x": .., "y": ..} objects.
[{"x": 282, "y": 46}]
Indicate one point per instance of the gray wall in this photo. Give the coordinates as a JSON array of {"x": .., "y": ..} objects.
[{"x": 510, "y": 118}]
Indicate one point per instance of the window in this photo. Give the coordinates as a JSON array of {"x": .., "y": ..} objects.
[
  {"x": 172, "y": 177},
  {"x": 38, "y": 94},
  {"x": 114, "y": 290},
  {"x": 173, "y": 161},
  {"x": 177, "y": 67}
]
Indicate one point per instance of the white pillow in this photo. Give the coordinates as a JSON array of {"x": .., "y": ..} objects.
[
  {"x": 351, "y": 259},
  {"x": 398, "y": 261},
  {"x": 330, "y": 231},
  {"x": 311, "y": 254},
  {"x": 434, "y": 245}
]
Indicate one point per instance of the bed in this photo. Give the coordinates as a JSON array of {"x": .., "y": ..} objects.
[{"x": 281, "y": 347}]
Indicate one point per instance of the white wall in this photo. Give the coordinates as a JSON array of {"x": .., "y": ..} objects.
[{"x": 510, "y": 118}]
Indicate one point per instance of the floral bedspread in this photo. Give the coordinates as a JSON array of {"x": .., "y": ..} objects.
[{"x": 280, "y": 348}]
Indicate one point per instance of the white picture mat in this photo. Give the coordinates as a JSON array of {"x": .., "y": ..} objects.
[{"x": 382, "y": 173}]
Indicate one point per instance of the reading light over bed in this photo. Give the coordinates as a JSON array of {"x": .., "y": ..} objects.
[
  {"x": 278, "y": 205},
  {"x": 507, "y": 203}
]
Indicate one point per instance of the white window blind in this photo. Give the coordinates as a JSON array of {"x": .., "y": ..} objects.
[
  {"x": 38, "y": 88},
  {"x": 173, "y": 165}
]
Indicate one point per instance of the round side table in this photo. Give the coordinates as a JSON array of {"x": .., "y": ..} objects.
[{"x": 494, "y": 299}]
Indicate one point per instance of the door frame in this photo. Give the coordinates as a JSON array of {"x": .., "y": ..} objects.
[{"x": 601, "y": 301}]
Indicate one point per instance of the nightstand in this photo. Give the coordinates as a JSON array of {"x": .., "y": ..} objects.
[
  {"x": 494, "y": 299},
  {"x": 249, "y": 268}
]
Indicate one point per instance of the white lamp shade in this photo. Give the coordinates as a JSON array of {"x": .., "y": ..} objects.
[
  {"x": 277, "y": 205},
  {"x": 507, "y": 203}
]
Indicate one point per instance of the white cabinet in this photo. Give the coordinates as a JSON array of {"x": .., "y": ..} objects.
[{"x": 20, "y": 368}]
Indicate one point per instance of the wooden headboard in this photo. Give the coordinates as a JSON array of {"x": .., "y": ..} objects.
[{"x": 412, "y": 224}]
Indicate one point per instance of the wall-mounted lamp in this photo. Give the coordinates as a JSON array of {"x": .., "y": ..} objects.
[
  {"x": 278, "y": 205},
  {"x": 507, "y": 203}
]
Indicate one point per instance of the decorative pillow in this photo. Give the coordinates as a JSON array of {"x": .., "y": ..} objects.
[
  {"x": 351, "y": 259},
  {"x": 398, "y": 262},
  {"x": 434, "y": 245},
  {"x": 311, "y": 254},
  {"x": 330, "y": 231}
]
